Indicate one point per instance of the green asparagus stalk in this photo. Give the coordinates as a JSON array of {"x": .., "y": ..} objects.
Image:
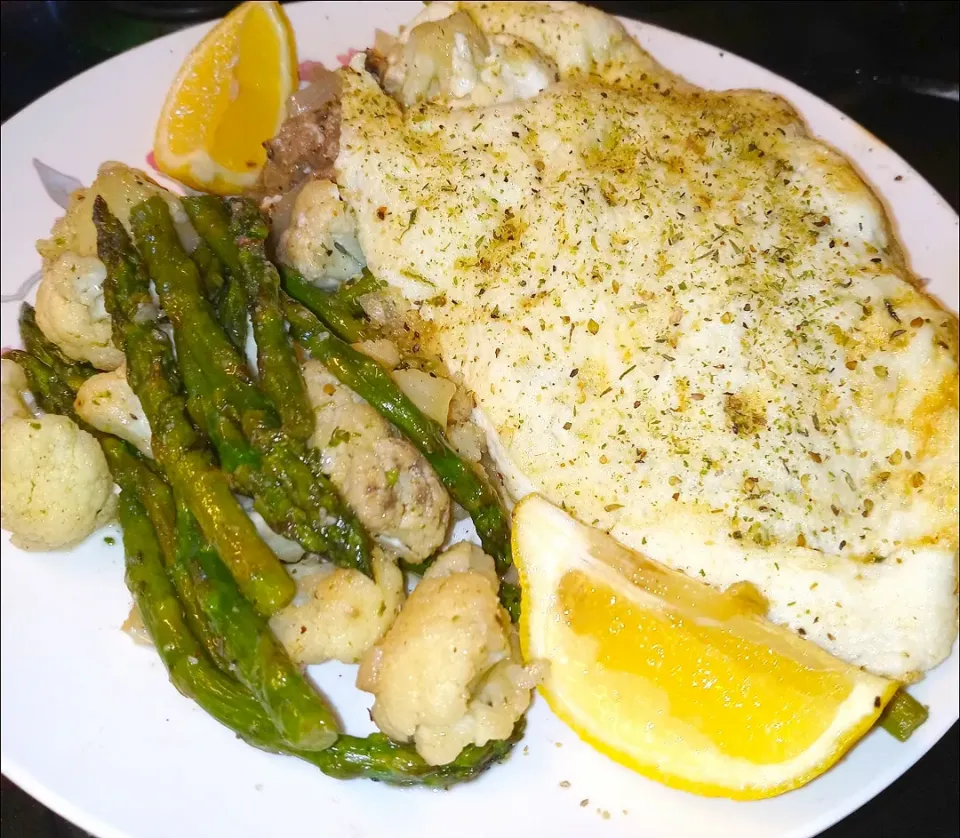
[
  {"x": 375, "y": 757},
  {"x": 178, "y": 284},
  {"x": 224, "y": 293},
  {"x": 211, "y": 270},
  {"x": 177, "y": 446},
  {"x": 286, "y": 461},
  {"x": 190, "y": 670},
  {"x": 903, "y": 715},
  {"x": 214, "y": 608},
  {"x": 73, "y": 373},
  {"x": 280, "y": 375},
  {"x": 258, "y": 661},
  {"x": 132, "y": 472},
  {"x": 211, "y": 219},
  {"x": 331, "y": 309},
  {"x": 236, "y": 233},
  {"x": 52, "y": 395},
  {"x": 368, "y": 379},
  {"x": 349, "y": 294},
  {"x": 174, "y": 634},
  {"x": 231, "y": 308},
  {"x": 245, "y": 465}
]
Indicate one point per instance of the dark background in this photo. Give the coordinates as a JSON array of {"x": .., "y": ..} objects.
[{"x": 891, "y": 66}]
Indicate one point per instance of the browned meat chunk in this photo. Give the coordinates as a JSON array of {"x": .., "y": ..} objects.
[{"x": 305, "y": 148}]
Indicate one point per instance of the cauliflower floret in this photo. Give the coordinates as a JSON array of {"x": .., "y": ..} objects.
[
  {"x": 578, "y": 38},
  {"x": 108, "y": 403},
  {"x": 464, "y": 557},
  {"x": 71, "y": 311},
  {"x": 448, "y": 672},
  {"x": 13, "y": 385},
  {"x": 122, "y": 188},
  {"x": 386, "y": 482},
  {"x": 321, "y": 241},
  {"x": 514, "y": 70},
  {"x": 445, "y": 54},
  {"x": 56, "y": 487},
  {"x": 438, "y": 57},
  {"x": 338, "y": 614}
]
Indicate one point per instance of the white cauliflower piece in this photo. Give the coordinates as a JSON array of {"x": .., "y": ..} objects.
[
  {"x": 122, "y": 187},
  {"x": 13, "y": 385},
  {"x": 513, "y": 70},
  {"x": 56, "y": 487},
  {"x": 338, "y": 613},
  {"x": 448, "y": 671},
  {"x": 70, "y": 309},
  {"x": 71, "y": 312},
  {"x": 108, "y": 403},
  {"x": 464, "y": 557},
  {"x": 321, "y": 241},
  {"x": 446, "y": 55},
  {"x": 578, "y": 38},
  {"x": 386, "y": 482},
  {"x": 440, "y": 56}
]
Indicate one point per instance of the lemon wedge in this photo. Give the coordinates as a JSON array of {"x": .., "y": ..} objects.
[
  {"x": 227, "y": 99},
  {"x": 685, "y": 684}
]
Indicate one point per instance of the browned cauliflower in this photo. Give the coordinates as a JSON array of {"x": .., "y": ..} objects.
[
  {"x": 70, "y": 307},
  {"x": 122, "y": 187},
  {"x": 338, "y": 614},
  {"x": 71, "y": 311},
  {"x": 448, "y": 672},
  {"x": 321, "y": 241},
  {"x": 108, "y": 403},
  {"x": 56, "y": 487},
  {"x": 444, "y": 54},
  {"x": 387, "y": 483}
]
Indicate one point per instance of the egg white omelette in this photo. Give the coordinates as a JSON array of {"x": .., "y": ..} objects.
[{"x": 684, "y": 319}]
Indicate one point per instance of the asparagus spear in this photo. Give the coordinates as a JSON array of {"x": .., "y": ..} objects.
[
  {"x": 214, "y": 608},
  {"x": 73, "y": 373},
  {"x": 368, "y": 379},
  {"x": 225, "y": 294},
  {"x": 903, "y": 715},
  {"x": 233, "y": 705},
  {"x": 178, "y": 284},
  {"x": 330, "y": 308},
  {"x": 231, "y": 308},
  {"x": 285, "y": 459},
  {"x": 177, "y": 446},
  {"x": 211, "y": 220},
  {"x": 190, "y": 670},
  {"x": 236, "y": 232},
  {"x": 258, "y": 661},
  {"x": 280, "y": 375},
  {"x": 349, "y": 293},
  {"x": 47, "y": 388},
  {"x": 131, "y": 470}
]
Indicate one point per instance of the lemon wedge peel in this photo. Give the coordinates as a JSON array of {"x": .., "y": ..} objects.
[
  {"x": 227, "y": 99},
  {"x": 577, "y": 688}
]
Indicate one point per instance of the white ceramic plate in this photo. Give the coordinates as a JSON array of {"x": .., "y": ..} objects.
[{"x": 92, "y": 728}]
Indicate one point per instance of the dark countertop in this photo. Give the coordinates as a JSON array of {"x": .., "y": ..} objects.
[{"x": 892, "y": 66}]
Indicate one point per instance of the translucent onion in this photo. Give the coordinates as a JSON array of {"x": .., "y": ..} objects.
[
  {"x": 430, "y": 394},
  {"x": 383, "y": 351},
  {"x": 323, "y": 87}
]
